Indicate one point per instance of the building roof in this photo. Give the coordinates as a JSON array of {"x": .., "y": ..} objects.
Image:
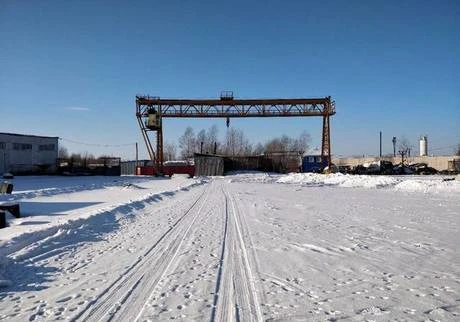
[{"x": 29, "y": 135}]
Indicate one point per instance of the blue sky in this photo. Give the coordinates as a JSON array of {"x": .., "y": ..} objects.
[{"x": 72, "y": 68}]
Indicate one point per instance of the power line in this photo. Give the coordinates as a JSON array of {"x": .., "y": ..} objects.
[{"x": 97, "y": 144}]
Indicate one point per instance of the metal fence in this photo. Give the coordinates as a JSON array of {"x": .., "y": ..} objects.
[{"x": 100, "y": 166}]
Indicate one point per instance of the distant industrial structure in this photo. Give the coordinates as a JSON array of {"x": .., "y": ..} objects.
[
  {"x": 423, "y": 146},
  {"x": 443, "y": 164},
  {"x": 28, "y": 154}
]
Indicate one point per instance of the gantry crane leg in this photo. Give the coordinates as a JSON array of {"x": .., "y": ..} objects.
[
  {"x": 159, "y": 160},
  {"x": 326, "y": 142}
]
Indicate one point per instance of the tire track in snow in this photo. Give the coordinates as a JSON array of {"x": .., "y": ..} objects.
[
  {"x": 147, "y": 271},
  {"x": 224, "y": 276},
  {"x": 238, "y": 298},
  {"x": 247, "y": 283}
]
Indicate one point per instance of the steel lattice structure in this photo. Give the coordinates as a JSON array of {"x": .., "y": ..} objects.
[{"x": 150, "y": 111}]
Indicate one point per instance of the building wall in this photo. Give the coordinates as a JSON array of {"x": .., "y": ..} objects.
[
  {"x": 27, "y": 153},
  {"x": 129, "y": 167},
  {"x": 438, "y": 162},
  {"x": 209, "y": 165}
]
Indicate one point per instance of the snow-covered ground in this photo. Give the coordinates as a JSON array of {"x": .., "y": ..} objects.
[{"x": 246, "y": 247}]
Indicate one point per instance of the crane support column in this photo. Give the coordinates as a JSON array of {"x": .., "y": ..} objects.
[
  {"x": 159, "y": 159},
  {"x": 326, "y": 142}
]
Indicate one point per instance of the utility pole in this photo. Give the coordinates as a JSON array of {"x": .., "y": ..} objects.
[
  {"x": 380, "y": 144},
  {"x": 137, "y": 156},
  {"x": 394, "y": 146}
]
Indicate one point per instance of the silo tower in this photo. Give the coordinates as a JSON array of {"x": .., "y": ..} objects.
[{"x": 423, "y": 146}]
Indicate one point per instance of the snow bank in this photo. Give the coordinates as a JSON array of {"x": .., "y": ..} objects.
[
  {"x": 338, "y": 179},
  {"x": 72, "y": 201},
  {"x": 253, "y": 177},
  {"x": 29, "y": 187},
  {"x": 417, "y": 184},
  {"x": 429, "y": 186}
]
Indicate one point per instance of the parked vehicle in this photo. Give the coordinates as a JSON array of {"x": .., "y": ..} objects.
[
  {"x": 423, "y": 168},
  {"x": 386, "y": 167},
  {"x": 344, "y": 169},
  {"x": 402, "y": 169}
]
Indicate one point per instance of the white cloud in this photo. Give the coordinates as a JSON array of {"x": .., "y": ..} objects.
[{"x": 78, "y": 109}]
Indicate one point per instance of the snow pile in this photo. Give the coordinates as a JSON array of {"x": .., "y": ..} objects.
[
  {"x": 50, "y": 202},
  {"x": 428, "y": 186},
  {"x": 338, "y": 179},
  {"x": 253, "y": 177},
  {"x": 418, "y": 184},
  {"x": 29, "y": 187}
]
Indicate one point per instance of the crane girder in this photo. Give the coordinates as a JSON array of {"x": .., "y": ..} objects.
[{"x": 236, "y": 107}]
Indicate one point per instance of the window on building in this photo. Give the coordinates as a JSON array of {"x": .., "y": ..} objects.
[
  {"x": 22, "y": 146},
  {"x": 46, "y": 147},
  {"x": 311, "y": 159},
  {"x": 2, "y": 145}
]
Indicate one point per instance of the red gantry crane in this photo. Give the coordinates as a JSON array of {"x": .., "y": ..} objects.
[{"x": 150, "y": 110}]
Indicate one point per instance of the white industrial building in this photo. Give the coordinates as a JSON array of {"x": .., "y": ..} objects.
[{"x": 27, "y": 154}]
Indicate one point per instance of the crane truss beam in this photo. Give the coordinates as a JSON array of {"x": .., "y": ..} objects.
[{"x": 236, "y": 108}]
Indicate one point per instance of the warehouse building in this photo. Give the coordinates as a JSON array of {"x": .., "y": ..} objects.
[{"x": 28, "y": 154}]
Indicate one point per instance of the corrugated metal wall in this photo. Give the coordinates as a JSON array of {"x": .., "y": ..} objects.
[
  {"x": 236, "y": 163},
  {"x": 209, "y": 166},
  {"x": 129, "y": 167},
  {"x": 206, "y": 165}
]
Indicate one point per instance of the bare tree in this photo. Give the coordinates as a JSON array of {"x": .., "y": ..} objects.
[
  {"x": 247, "y": 148},
  {"x": 301, "y": 143},
  {"x": 201, "y": 142},
  {"x": 457, "y": 153},
  {"x": 63, "y": 153},
  {"x": 207, "y": 140},
  {"x": 76, "y": 156},
  {"x": 231, "y": 141},
  {"x": 212, "y": 139},
  {"x": 236, "y": 143},
  {"x": 274, "y": 145},
  {"x": 404, "y": 146},
  {"x": 76, "y": 159},
  {"x": 87, "y": 158},
  {"x": 286, "y": 143},
  {"x": 187, "y": 143},
  {"x": 258, "y": 149},
  {"x": 404, "y": 149},
  {"x": 170, "y": 151}
]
